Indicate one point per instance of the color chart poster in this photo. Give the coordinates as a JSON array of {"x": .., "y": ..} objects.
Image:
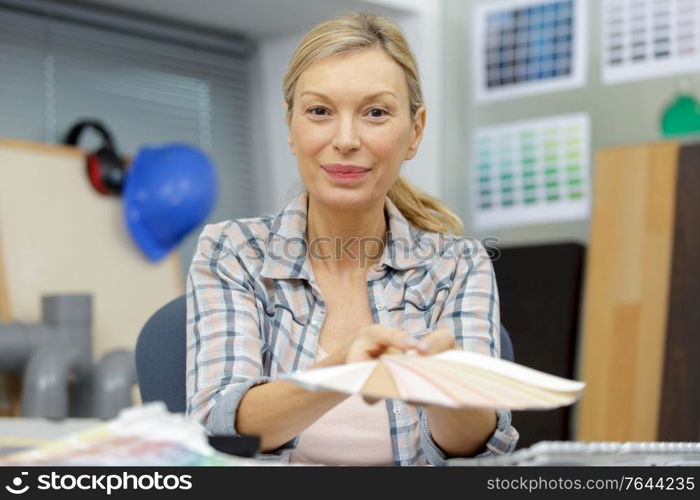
[
  {"x": 531, "y": 172},
  {"x": 526, "y": 47},
  {"x": 649, "y": 38}
]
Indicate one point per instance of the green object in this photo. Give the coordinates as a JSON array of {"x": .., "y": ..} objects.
[{"x": 681, "y": 117}]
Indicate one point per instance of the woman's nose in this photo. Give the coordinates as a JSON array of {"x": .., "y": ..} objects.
[{"x": 346, "y": 138}]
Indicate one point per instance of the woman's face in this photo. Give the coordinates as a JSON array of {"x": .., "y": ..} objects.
[{"x": 351, "y": 113}]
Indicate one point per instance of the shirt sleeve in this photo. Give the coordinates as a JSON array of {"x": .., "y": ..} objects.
[
  {"x": 224, "y": 340},
  {"x": 224, "y": 343},
  {"x": 472, "y": 312}
]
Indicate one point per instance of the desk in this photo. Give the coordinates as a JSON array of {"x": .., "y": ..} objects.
[
  {"x": 20, "y": 433},
  {"x": 155, "y": 423}
]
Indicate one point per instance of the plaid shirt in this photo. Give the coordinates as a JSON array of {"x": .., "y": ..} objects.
[{"x": 254, "y": 313}]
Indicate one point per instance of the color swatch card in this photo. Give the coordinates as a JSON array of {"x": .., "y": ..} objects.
[
  {"x": 531, "y": 172},
  {"x": 453, "y": 379},
  {"x": 649, "y": 38},
  {"x": 524, "y": 47}
]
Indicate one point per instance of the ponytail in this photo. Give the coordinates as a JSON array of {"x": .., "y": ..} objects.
[{"x": 422, "y": 210}]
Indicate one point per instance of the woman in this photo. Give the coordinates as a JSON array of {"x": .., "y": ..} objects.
[{"x": 357, "y": 264}]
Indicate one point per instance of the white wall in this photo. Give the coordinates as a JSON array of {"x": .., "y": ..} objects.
[{"x": 276, "y": 169}]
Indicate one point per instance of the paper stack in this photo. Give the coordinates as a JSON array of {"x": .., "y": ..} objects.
[{"x": 139, "y": 436}]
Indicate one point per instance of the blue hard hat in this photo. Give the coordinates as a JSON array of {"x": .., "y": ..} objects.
[{"x": 169, "y": 191}]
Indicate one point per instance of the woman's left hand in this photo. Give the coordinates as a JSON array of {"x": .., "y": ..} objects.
[{"x": 434, "y": 342}]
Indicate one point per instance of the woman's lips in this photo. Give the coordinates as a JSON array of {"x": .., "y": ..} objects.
[
  {"x": 343, "y": 169},
  {"x": 345, "y": 172}
]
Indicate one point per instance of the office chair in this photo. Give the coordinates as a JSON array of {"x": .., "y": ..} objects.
[{"x": 161, "y": 352}]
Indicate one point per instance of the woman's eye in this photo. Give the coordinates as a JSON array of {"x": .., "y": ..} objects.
[
  {"x": 317, "y": 111},
  {"x": 377, "y": 113}
]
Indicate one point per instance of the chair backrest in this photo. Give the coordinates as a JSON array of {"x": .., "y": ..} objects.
[
  {"x": 161, "y": 355},
  {"x": 506, "y": 345}
]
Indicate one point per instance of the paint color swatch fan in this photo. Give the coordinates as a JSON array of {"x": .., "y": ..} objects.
[{"x": 455, "y": 379}]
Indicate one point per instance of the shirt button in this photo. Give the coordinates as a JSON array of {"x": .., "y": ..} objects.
[
  {"x": 397, "y": 410},
  {"x": 380, "y": 306}
]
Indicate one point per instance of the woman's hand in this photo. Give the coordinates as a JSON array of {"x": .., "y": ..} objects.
[
  {"x": 368, "y": 343},
  {"x": 436, "y": 341},
  {"x": 372, "y": 341}
]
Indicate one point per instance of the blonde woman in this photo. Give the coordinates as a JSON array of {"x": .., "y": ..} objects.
[{"x": 358, "y": 263}]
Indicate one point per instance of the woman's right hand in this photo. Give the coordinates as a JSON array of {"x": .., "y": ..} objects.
[
  {"x": 372, "y": 341},
  {"x": 369, "y": 343}
]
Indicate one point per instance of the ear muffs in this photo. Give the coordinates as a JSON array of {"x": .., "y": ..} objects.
[{"x": 105, "y": 169}]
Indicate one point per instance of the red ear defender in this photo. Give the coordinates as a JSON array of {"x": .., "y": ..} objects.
[
  {"x": 95, "y": 175},
  {"x": 104, "y": 167}
]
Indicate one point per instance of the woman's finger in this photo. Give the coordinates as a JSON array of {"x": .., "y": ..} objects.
[
  {"x": 436, "y": 341},
  {"x": 370, "y": 401},
  {"x": 387, "y": 337},
  {"x": 374, "y": 340}
]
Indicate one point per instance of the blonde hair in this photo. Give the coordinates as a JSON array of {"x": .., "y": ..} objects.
[{"x": 357, "y": 31}]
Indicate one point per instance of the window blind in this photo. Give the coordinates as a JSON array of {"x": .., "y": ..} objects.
[{"x": 55, "y": 71}]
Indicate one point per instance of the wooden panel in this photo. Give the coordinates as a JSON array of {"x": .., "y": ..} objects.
[
  {"x": 680, "y": 411},
  {"x": 626, "y": 292},
  {"x": 59, "y": 236}
]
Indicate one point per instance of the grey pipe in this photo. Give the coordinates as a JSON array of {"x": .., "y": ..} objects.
[
  {"x": 66, "y": 321},
  {"x": 113, "y": 378},
  {"x": 17, "y": 343},
  {"x": 62, "y": 351},
  {"x": 46, "y": 379},
  {"x": 56, "y": 357}
]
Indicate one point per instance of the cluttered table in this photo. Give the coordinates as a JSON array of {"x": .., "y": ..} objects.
[
  {"x": 18, "y": 434},
  {"x": 140, "y": 436},
  {"x": 151, "y": 436}
]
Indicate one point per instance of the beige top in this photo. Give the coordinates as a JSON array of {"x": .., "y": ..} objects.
[{"x": 351, "y": 433}]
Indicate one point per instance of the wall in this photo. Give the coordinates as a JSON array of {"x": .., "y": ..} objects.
[{"x": 620, "y": 114}]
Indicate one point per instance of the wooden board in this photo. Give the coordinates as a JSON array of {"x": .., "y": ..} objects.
[
  {"x": 57, "y": 235},
  {"x": 680, "y": 408},
  {"x": 626, "y": 292}
]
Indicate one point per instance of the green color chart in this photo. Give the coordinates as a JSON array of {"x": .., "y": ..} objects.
[{"x": 531, "y": 172}]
